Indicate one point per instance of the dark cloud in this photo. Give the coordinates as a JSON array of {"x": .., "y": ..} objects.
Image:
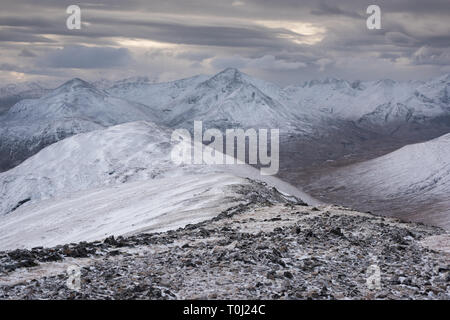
[
  {"x": 8, "y": 67},
  {"x": 82, "y": 57},
  {"x": 399, "y": 39},
  {"x": 18, "y": 36},
  {"x": 27, "y": 53},
  {"x": 202, "y": 35},
  {"x": 434, "y": 56},
  {"x": 325, "y": 9},
  {"x": 208, "y": 35},
  {"x": 389, "y": 56},
  {"x": 27, "y": 21},
  {"x": 194, "y": 56}
]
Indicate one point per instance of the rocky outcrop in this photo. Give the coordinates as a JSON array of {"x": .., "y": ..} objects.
[{"x": 270, "y": 251}]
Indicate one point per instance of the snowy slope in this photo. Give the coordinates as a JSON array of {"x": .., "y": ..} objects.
[
  {"x": 21, "y": 88},
  {"x": 133, "y": 151},
  {"x": 155, "y": 95},
  {"x": 78, "y": 99},
  {"x": 418, "y": 173},
  {"x": 227, "y": 99},
  {"x": 12, "y": 93},
  {"x": 232, "y": 98},
  {"x": 139, "y": 150},
  {"x": 114, "y": 181},
  {"x": 375, "y": 102},
  {"x": 74, "y": 107},
  {"x": 150, "y": 205}
]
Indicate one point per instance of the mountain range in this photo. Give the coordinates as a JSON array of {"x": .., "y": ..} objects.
[
  {"x": 335, "y": 134},
  {"x": 228, "y": 99}
]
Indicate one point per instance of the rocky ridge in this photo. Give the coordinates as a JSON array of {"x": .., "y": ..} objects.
[{"x": 269, "y": 248}]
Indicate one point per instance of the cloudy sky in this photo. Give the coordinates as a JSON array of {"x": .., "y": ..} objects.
[{"x": 285, "y": 41}]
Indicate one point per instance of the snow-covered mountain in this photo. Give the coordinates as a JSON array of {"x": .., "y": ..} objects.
[
  {"x": 72, "y": 108},
  {"x": 413, "y": 182},
  {"x": 375, "y": 102},
  {"x": 155, "y": 95},
  {"x": 315, "y": 111},
  {"x": 21, "y": 88},
  {"x": 88, "y": 160},
  {"x": 12, "y": 93},
  {"x": 114, "y": 181},
  {"x": 128, "y": 166},
  {"x": 133, "y": 151},
  {"x": 228, "y": 99},
  {"x": 232, "y": 98}
]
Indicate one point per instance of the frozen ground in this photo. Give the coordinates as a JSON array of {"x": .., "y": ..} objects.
[
  {"x": 115, "y": 181},
  {"x": 263, "y": 250},
  {"x": 154, "y": 205}
]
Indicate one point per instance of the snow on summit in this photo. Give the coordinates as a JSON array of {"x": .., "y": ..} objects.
[
  {"x": 227, "y": 99},
  {"x": 72, "y": 108},
  {"x": 118, "y": 133}
]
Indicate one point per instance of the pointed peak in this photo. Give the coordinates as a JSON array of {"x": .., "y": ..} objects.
[
  {"x": 230, "y": 71},
  {"x": 229, "y": 74},
  {"x": 444, "y": 78},
  {"x": 335, "y": 82},
  {"x": 386, "y": 82},
  {"x": 228, "y": 77},
  {"x": 76, "y": 82},
  {"x": 75, "y": 85}
]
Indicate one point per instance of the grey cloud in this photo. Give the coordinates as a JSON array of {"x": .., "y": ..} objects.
[
  {"x": 267, "y": 62},
  {"x": 229, "y": 62},
  {"x": 434, "y": 56},
  {"x": 23, "y": 21},
  {"x": 399, "y": 39},
  {"x": 215, "y": 31},
  {"x": 102, "y": 26},
  {"x": 211, "y": 35},
  {"x": 389, "y": 56},
  {"x": 8, "y": 67},
  {"x": 17, "y": 36},
  {"x": 27, "y": 53},
  {"x": 194, "y": 56},
  {"x": 82, "y": 57},
  {"x": 325, "y": 9}
]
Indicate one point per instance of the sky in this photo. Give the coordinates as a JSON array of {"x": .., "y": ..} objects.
[{"x": 283, "y": 41}]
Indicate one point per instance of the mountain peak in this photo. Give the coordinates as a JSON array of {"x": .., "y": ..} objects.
[
  {"x": 386, "y": 82},
  {"x": 230, "y": 70},
  {"x": 228, "y": 77},
  {"x": 229, "y": 74},
  {"x": 75, "y": 84},
  {"x": 443, "y": 78}
]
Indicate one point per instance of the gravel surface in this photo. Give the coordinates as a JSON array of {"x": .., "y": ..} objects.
[{"x": 270, "y": 248}]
